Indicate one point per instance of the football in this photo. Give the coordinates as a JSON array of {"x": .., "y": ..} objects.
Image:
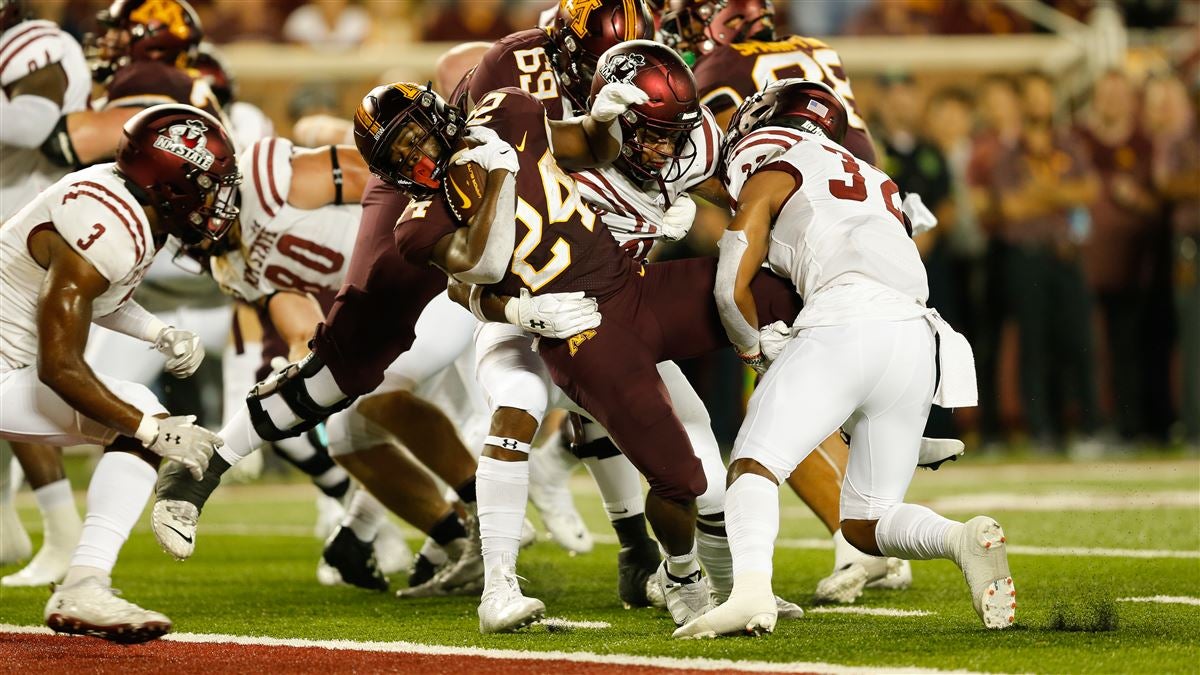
[{"x": 464, "y": 189}]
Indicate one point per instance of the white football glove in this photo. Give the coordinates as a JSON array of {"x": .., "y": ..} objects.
[
  {"x": 182, "y": 349},
  {"x": 179, "y": 440},
  {"x": 919, "y": 215},
  {"x": 773, "y": 338},
  {"x": 614, "y": 99},
  {"x": 489, "y": 151},
  {"x": 553, "y": 315},
  {"x": 677, "y": 221}
]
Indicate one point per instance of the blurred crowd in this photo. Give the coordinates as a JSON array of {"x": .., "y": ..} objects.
[{"x": 343, "y": 24}]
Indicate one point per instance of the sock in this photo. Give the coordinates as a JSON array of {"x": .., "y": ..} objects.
[
  {"x": 433, "y": 552},
  {"x": 240, "y": 437},
  {"x": 120, "y": 487},
  {"x": 620, "y": 485},
  {"x": 912, "y": 532},
  {"x": 466, "y": 491},
  {"x": 712, "y": 547},
  {"x": 314, "y": 460},
  {"x": 752, "y": 521},
  {"x": 8, "y": 469},
  {"x": 684, "y": 566},
  {"x": 60, "y": 520},
  {"x": 446, "y": 530},
  {"x": 365, "y": 515},
  {"x": 631, "y": 531},
  {"x": 503, "y": 491}
]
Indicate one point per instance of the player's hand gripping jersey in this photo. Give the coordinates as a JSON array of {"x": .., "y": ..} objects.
[
  {"x": 725, "y": 77},
  {"x": 97, "y": 216},
  {"x": 840, "y": 236},
  {"x": 561, "y": 245},
  {"x": 284, "y": 247}
]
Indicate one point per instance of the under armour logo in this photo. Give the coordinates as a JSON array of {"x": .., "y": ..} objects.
[
  {"x": 509, "y": 444},
  {"x": 537, "y": 323},
  {"x": 172, "y": 438}
]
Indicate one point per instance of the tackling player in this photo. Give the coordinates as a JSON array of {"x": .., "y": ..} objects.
[{"x": 74, "y": 255}]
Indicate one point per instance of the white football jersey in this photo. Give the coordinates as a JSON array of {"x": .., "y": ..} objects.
[
  {"x": 27, "y": 47},
  {"x": 248, "y": 123},
  {"x": 283, "y": 247},
  {"x": 93, "y": 212},
  {"x": 632, "y": 214},
  {"x": 840, "y": 236}
]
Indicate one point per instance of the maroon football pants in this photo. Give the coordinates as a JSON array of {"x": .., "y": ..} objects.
[{"x": 666, "y": 313}]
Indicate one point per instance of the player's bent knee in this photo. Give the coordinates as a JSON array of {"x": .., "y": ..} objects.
[
  {"x": 292, "y": 385},
  {"x": 682, "y": 483},
  {"x": 745, "y": 465}
]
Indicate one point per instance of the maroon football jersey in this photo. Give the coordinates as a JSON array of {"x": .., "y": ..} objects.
[
  {"x": 520, "y": 61},
  {"x": 733, "y": 72},
  {"x": 561, "y": 245},
  {"x": 147, "y": 83}
]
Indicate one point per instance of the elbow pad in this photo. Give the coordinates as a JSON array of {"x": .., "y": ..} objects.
[
  {"x": 26, "y": 121},
  {"x": 744, "y": 336},
  {"x": 498, "y": 250},
  {"x": 295, "y": 385},
  {"x": 58, "y": 147}
]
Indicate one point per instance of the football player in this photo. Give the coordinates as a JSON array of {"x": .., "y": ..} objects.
[
  {"x": 808, "y": 208},
  {"x": 44, "y": 76},
  {"x": 366, "y": 329},
  {"x": 73, "y": 255}
]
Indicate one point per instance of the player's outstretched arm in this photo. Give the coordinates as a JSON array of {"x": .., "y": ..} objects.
[
  {"x": 334, "y": 174},
  {"x": 32, "y": 107},
  {"x": 87, "y": 137},
  {"x": 594, "y": 140},
  {"x": 743, "y": 251}
]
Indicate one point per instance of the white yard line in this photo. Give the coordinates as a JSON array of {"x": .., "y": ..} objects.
[
  {"x": 1165, "y": 600},
  {"x": 868, "y": 611},
  {"x": 553, "y": 622},
  {"x": 723, "y": 665}
]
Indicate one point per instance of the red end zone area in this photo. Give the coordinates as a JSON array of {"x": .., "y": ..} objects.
[{"x": 25, "y": 653}]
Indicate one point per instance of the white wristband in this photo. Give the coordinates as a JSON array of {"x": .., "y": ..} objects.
[
  {"x": 512, "y": 313},
  {"x": 473, "y": 300},
  {"x": 147, "y": 430}
]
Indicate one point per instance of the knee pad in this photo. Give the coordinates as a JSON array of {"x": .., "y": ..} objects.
[{"x": 290, "y": 384}]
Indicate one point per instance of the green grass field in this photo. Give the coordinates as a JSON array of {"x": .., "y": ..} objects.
[{"x": 253, "y": 574}]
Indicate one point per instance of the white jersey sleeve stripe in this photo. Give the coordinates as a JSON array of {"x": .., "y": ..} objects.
[
  {"x": 85, "y": 189},
  {"x": 27, "y": 38}
]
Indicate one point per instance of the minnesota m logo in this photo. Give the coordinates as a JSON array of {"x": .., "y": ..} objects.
[
  {"x": 579, "y": 10},
  {"x": 578, "y": 339}
]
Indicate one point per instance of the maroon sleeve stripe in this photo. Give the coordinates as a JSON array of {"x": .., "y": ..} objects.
[
  {"x": 629, "y": 210},
  {"x": 710, "y": 142},
  {"x": 258, "y": 189},
  {"x": 135, "y": 222},
  {"x": 271, "y": 172},
  {"x": 10, "y": 51}
]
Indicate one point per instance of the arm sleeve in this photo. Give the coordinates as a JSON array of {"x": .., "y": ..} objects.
[
  {"x": 27, "y": 121},
  {"x": 267, "y": 177},
  {"x": 744, "y": 336},
  {"x": 133, "y": 320}
]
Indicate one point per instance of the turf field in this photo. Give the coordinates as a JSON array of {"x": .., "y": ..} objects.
[{"x": 1085, "y": 539}]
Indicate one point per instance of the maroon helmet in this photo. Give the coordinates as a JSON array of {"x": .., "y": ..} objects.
[
  {"x": 656, "y": 133},
  {"x": 804, "y": 105},
  {"x": 585, "y": 29},
  {"x": 144, "y": 30},
  {"x": 405, "y": 132},
  {"x": 12, "y": 12},
  {"x": 179, "y": 160},
  {"x": 700, "y": 26},
  {"x": 212, "y": 67}
]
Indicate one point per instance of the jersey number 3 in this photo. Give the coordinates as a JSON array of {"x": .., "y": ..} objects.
[
  {"x": 85, "y": 244},
  {"x": 856, "y": 189}
]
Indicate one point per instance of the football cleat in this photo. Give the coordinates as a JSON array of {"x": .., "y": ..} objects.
[
  {"x": 422, "y": 570},
  {"x": 637, "y": 585},
  {"x": 935, "y": 452},
  {"x": 898, "y": 577},
  {"x": 785, "y": 609},
  {"x": 461, "y": 575},
  {"x": 750, "y": 612},
  {"x": 687, "y": 597},
  {"x": 15, "y": 545},
  {"x": 89, "y": 607},
  {"x": 350, "y": 560},
  {"x": 846, "y": 583},
  {"x": 549, "y": 472},
  {"x": 49, "y": 566},
  {"x": 982, "y": 552},
  {"x": 503, "y": 608},
  {"x": 391, "y": 551},
  {"x": 174, "y": 525}
]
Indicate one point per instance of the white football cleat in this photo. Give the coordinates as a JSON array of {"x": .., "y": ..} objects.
[
  {"x": 89, "y": 607},
  {"x": 686, "y": 598},
  {"x": 936, "y": 451},
  {"x": 391, "y": 551},
  {"x": 461, "y": 575},
  {"x": 785, "y": 609},
  {"x": 174, "y": 524},
  {"x": 49, "y": 566},
  {"x": 747, "y": 612},
  {"x": 842, "y": 587},
  {"x": 15, "y": 545},
  {"x": 504, "y": 608},
  {"x": 983, "y": 556},
  {"x": 898, "y": 577},
  {"x": 549, "y": 474}
]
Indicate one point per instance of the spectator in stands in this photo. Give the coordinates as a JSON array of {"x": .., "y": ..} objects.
[
  {"x": 1170, "y": 118},
  {"x": 1040, "y": 186},
  {"x": 468, "y": 20},
  {"x": 1120, "y": 254},
  {"x": 328, "y": 24},
  {"x": 240, "y": 21}
]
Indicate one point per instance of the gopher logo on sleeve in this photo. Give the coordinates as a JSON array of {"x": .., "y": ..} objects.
[
  {"x": 187, "y": 140},
  {"x": 622, "y": 67}
]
